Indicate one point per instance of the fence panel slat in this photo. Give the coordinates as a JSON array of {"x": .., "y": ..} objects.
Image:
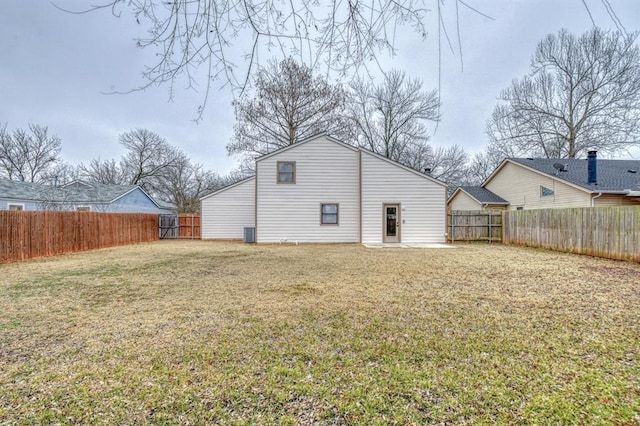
[
  {"x": 27, "y": 234},
  {"x": 474, "y": 225},
  {"x": 611, "y": 232},
  {"x": 188, "y": 226}
]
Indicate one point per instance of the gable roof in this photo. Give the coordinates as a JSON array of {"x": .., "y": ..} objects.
[
  {"x": 75, "y": 192},
  {"x": 613, "y": 176},
  {"x": 480, "y": 194},
  {"x": 352, "y": 148},
  {"x": 224, "y": 188},
  {"x": 304, "y": 141},
  {"x": 402, "y": 166}
]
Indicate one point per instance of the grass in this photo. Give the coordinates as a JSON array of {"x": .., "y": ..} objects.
[{"x": 203, "y": 332}]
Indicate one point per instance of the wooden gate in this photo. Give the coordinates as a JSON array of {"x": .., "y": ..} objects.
[
  {"x": 183, "y": 226},
  {"x": 168, "y": 226},
  {"x": 474, "y": 225}
]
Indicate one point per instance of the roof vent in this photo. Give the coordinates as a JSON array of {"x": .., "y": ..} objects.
[
  {"x": 427, "y": 170},
  {"x": 632, "y": 171},
  {"x": 560, "y": 167}
]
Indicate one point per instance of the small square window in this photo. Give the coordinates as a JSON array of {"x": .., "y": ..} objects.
[
  {"x": 16, "y": 207},
  {"x": 286, "y": 172},
  {"x": 328, "y": 214},
  {"x": 546, "y": 192}
]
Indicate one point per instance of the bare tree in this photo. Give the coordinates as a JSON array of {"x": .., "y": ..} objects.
[
  {"x": 159, "y": 168},
  {"x": 234, "y": 176},
  {"x": 102, "y": 171},
  {"x": 226, "y": 38},
  {"x": 448, "y": 164},
  {"x": 186, "y": 183},
  {"x": 482, "y": 165},
  {"x": 148, "y": 160},
  {"x": 60, "y": 174},
  {"x": 390, "y": 119},
  {"x": 290, "y": 105},
  {"x": 28, "y": 154},
  {"x": 582, "y": 93}
]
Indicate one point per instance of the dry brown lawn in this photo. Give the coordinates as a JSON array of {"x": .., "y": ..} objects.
[{"x": 227, "y": 333}]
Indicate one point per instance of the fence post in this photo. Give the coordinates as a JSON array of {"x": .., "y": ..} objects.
[{"x": 452, "y": 215}]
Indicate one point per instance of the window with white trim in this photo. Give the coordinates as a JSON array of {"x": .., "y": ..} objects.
[
  {"x": 83, "y": 208},
  {"x": 329, "y": 214},
  {"x": 15, "y": 207},
  {"x": 286, "y": 172}
]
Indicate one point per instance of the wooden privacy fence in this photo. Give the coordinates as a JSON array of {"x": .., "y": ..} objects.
[
  {"x": 612, "y": 232},
  {"x": 183, "y": 226},
  {"x": 474, "y": 225},
  {"x": 27, "y": 234},
  {"x": 188, "y": 226}
]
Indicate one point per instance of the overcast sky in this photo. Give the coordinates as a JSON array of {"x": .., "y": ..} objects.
[{"x": 56, "y": 67}]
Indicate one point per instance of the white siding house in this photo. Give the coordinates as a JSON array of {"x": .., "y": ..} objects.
[
  {"x": 225, "y": 213},
  {"x": 322, "y": 190},
  {"x": 420, "y": 200},
  {"x": 326, "y": 172}
]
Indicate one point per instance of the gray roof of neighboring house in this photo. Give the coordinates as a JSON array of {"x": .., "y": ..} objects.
[
  {"x": 76, "y": 192},
  {"x": 612, "y": 175},
  {"x": 483, "y": 195}
]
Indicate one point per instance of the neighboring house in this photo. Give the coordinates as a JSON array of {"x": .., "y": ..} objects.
[
  {"x": 323, "y": 190},
  {"x": 541, "y": 183},
  {"x": 77, "y": 195},
  {"x": 476, "y": 198}
]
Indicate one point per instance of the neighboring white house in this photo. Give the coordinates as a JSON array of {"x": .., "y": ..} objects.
[
  {"x": 323, "y": 190},
  {"x": 476, "y": 198}
]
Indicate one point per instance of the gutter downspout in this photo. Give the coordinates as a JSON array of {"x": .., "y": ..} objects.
[{"x": 593, "y": 203}]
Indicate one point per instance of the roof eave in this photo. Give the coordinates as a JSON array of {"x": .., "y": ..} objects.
[
  {"x": 227, "y": 187},
  {"x": 309, "y": 139}
]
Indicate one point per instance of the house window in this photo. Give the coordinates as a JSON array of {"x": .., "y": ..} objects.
[
  {"x": 328, "y": 214},
  {"x": 519, "y": 208},
  {"x": 286, "y": 172},
  {"x": 546, "y": 192},
  {"x": 16, "y": 207},
  {"x": 83, "y": 208}
]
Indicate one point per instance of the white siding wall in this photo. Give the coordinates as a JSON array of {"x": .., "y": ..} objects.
[
  {"x": 423, "y": 202},
  {"x": 521, "y": 187},
  {"x": 225, "y": 214},
  {"x": 462, "y": 201},
  {"x": 326, "y": 172}
]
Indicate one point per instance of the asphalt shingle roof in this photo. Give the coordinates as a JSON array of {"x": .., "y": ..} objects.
[
  {"x": 483, "y": 195},
  {"x": 612, "y": 175},
  {"x": 75, "y": 192}
]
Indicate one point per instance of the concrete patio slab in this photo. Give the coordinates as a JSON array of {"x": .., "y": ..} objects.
[{"x": 416, "y": 245}]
